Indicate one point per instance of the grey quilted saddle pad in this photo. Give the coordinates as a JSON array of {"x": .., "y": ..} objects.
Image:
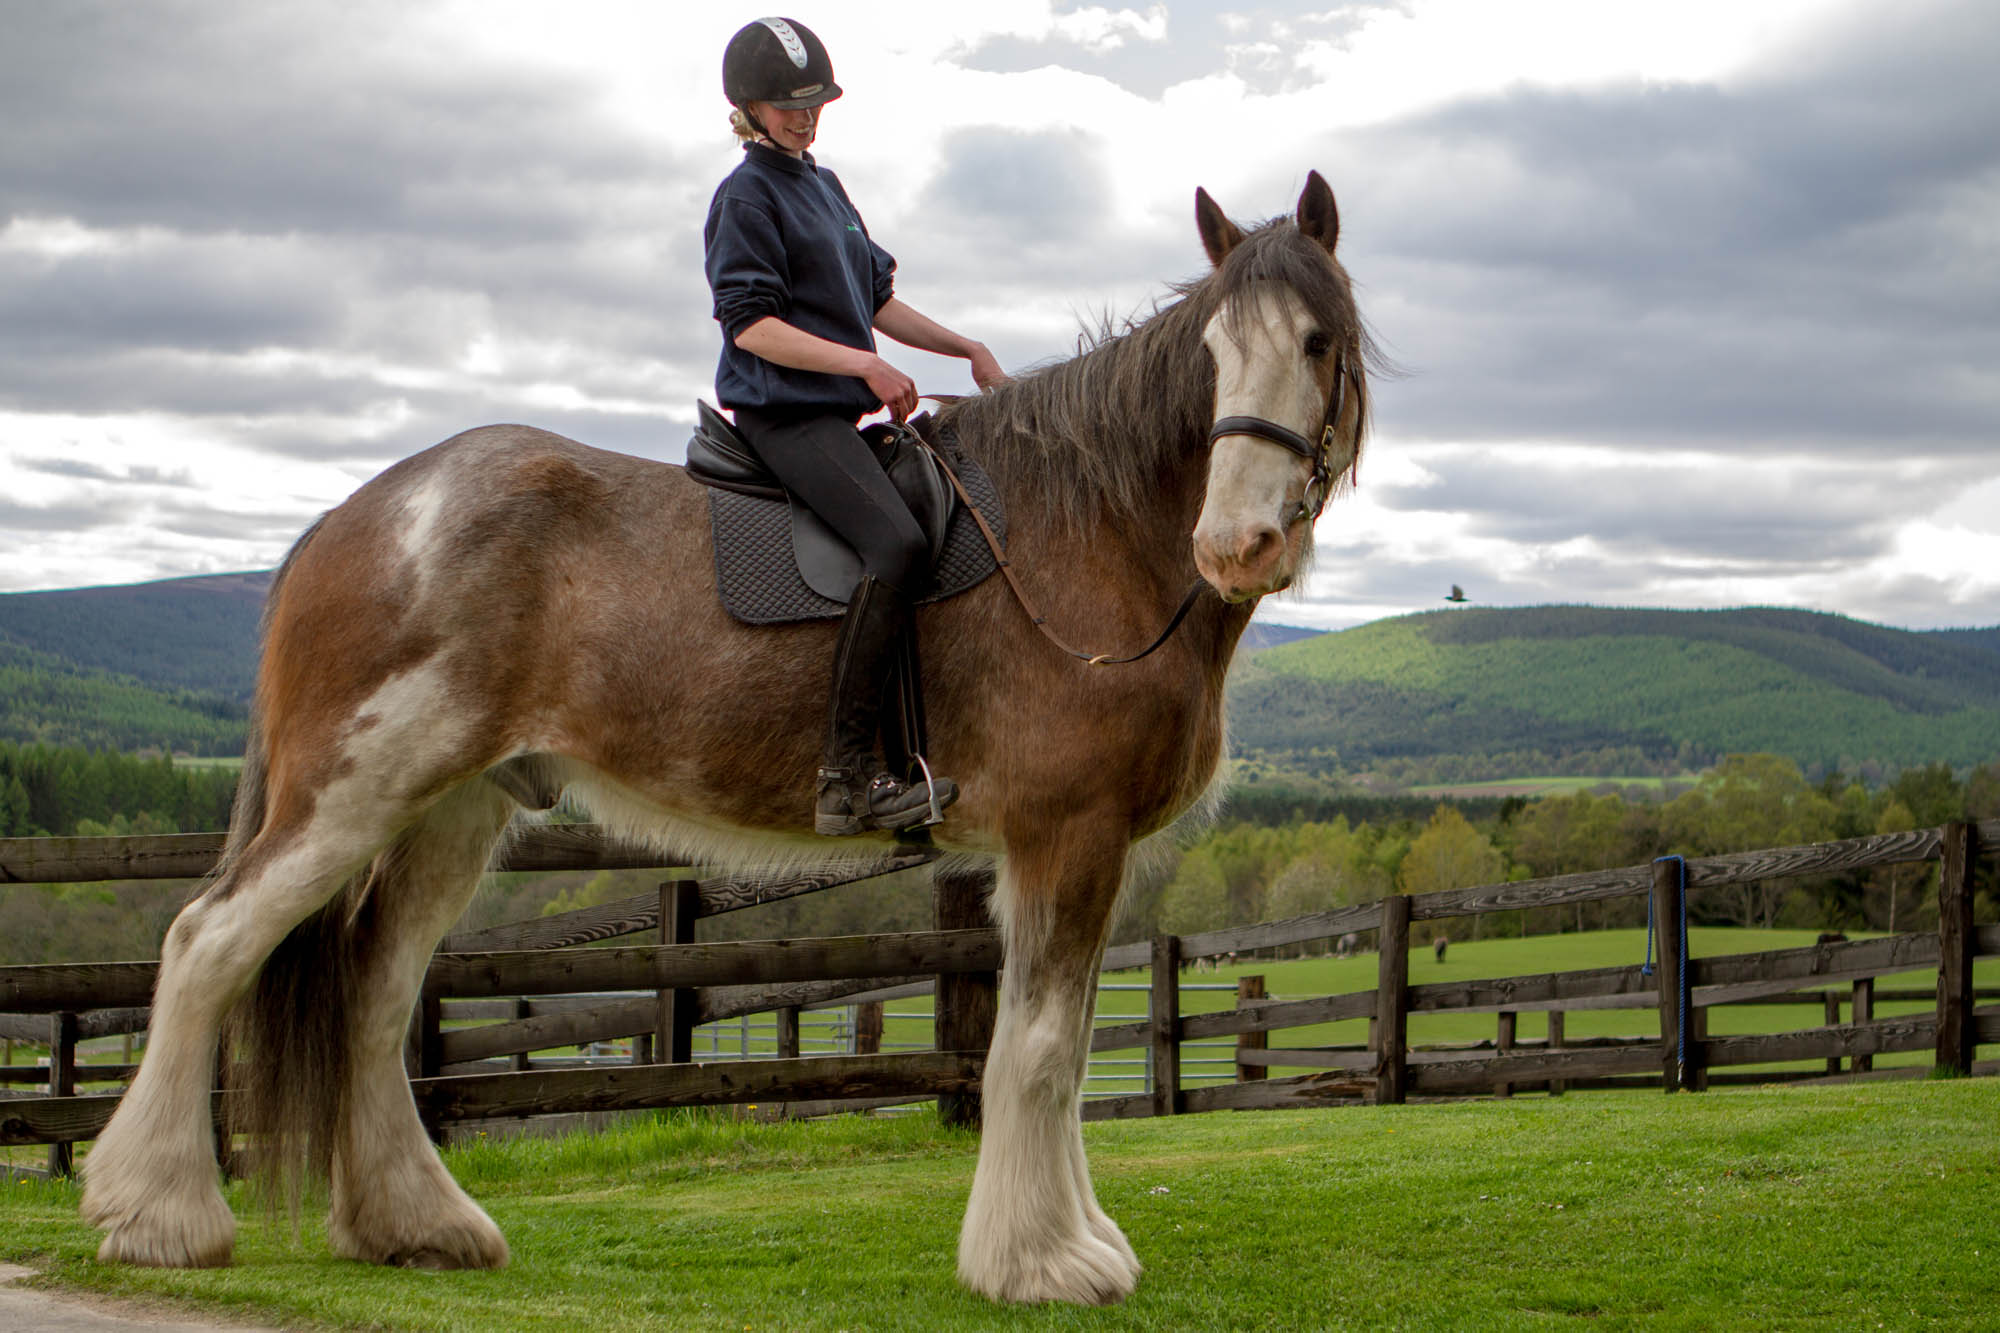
[{"x": 760, "y": 583}]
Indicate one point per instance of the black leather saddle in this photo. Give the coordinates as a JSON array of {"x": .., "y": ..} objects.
[{"x": 777, "y": 561}]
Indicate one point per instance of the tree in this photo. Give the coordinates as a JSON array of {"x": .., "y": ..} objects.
[
  {"x": 1449, "y": 854},
  {"x": 1196, "y": 899}
]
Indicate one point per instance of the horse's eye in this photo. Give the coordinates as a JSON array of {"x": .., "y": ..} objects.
[{"x": 1317, "y": 345}]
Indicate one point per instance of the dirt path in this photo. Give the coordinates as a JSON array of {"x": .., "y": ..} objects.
[{"x": 27, "y": 1311}]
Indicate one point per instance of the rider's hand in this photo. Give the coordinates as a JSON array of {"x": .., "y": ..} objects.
[
  {"x": 897, "y": 391},
  {"x": 986, "y": 372}
]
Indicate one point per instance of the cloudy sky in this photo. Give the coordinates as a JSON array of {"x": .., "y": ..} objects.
[{"x": 1696, "y": 303}]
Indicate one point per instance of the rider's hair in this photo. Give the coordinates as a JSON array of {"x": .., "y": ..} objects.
[{"x": 739, "y": 122}]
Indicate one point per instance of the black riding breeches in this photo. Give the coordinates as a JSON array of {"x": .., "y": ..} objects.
[{"x": 824, "y": 461}]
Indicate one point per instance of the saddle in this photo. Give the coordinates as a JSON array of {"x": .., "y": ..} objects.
[{"x": 776, "y": 561}]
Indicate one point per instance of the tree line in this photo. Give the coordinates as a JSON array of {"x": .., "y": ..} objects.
[
  {"x": 1244, "y": 871},
  {"x": 56, "y": 791}
]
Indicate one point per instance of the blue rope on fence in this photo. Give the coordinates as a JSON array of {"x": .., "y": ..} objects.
[{"x": 1680, "y": 978}]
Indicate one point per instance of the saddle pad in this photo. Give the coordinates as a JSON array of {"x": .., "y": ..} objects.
[{"x": 759, "y": 580}]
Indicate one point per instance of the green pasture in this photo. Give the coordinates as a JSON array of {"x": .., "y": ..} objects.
[{"x": 1741, "y": 1209}]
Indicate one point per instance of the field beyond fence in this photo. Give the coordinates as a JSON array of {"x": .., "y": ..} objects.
[{"x": 497, "y": 1001}]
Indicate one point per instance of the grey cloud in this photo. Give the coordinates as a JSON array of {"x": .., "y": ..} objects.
[
  {"x": 1796, "y": 261},
  {"x": 66, "y": 516},
  {"x": 141, "y": 474}
]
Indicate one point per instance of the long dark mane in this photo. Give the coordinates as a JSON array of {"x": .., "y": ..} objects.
[{"x": 1093, "y": 435}]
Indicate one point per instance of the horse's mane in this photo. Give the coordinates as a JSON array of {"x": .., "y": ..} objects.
[{"x": 1095, "y": 434}]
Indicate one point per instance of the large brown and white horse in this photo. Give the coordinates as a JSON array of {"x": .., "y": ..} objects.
[{"x": 512, "y": 603}]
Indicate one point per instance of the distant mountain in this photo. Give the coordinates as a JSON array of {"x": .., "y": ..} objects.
[
  {"x": 188, "y": 634},
  {"x": 1560, "y": 683},
  {"x": 168, "y": 665},
  {"x": 1561, "y": 688},
  {"x": 1260, "y": 636}
]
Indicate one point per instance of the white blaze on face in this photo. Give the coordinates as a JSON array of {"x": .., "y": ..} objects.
[{"x": 1246, "y": 543}]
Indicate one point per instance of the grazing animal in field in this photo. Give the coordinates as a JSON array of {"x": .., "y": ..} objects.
[
  {"x": 1438, "y": 946},
  {"x": 510, "y": 614},
  {"x": 1831, "y": 937},
  {"x": 1347, "y": 946}
]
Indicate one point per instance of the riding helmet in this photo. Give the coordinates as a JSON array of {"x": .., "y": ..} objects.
[{"x": 778, "y": 61}]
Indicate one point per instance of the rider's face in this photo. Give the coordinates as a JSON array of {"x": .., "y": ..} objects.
[{"x": 789, "y": 131}]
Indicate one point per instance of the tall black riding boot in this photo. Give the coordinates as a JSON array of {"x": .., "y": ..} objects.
[{"x": 856, "y": 792}]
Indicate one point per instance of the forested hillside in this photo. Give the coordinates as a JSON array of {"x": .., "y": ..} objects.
[{"x": 1459, "y": 695}]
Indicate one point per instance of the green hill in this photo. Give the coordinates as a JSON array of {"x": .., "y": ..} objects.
[
  {"x": 167, "y": 665},
  {"x": 1566, "y": 685}
]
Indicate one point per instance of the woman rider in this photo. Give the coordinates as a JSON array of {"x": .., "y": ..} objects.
[{"x": 799, "y": 288}]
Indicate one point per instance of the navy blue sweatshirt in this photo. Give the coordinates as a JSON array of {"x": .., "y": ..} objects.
[{"x": 783, "y": 239}]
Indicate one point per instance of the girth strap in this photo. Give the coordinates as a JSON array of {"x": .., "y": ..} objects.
[{"x": 1021, "y": 595}]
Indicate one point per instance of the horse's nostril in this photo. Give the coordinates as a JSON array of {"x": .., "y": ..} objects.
[{"x": 1259, "y": 546}]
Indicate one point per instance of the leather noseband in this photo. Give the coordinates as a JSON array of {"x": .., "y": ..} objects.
[{"x": 1320, "y": 455}]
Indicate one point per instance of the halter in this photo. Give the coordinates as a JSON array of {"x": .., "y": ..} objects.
[{"x": 1320, "y": 485}]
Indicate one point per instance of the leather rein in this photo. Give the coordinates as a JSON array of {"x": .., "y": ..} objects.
[{"x": 1318, "y": 487}]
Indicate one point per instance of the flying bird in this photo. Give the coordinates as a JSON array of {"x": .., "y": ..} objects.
[{"x": 1457, "y": 594}]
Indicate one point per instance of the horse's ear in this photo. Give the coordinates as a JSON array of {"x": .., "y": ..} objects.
[
  {"x": 1318, "y": 217},
  {"x": 1218, "y": 234}
]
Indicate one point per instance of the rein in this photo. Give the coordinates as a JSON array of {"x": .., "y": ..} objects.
[{"x": 1041, "y": 622}]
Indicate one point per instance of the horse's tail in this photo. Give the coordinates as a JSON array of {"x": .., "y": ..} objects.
[{"x": 284, "y": 1044}]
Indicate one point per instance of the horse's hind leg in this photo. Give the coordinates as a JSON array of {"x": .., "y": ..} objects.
[
  {"x": 150, "y": 1179},
  {"x": 393, "y": 1200},
  {"x": 1033, "y": 1230}
]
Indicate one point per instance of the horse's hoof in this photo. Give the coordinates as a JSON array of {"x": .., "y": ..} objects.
[
  {"x": 1081, "y": 1271},
  {"x": 194, "y": 1230},
  {"x": 467, "y": 1238}
]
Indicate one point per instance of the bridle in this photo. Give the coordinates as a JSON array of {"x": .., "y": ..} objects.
[{"x": 1320, "y": 485}]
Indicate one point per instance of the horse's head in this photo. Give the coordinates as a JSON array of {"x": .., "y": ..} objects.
[{"x": 1291, "y": 399}]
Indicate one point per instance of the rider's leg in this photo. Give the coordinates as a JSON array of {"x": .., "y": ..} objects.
[{"x": 825, "y": 462}]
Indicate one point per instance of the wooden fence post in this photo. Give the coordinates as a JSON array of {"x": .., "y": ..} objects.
[
  {"x": 965, "y": 1003},
  {"x": 1249, "y": 990},
  {"x": 1696, "y": 1075},
  {"x": 1831, "y": 1000},
  {"x": 788, "y": 1032},
  {"x": 62, "y": 1082},
  {"x": 1956, "y": 1035},
  {"x": 868, "y": 1028},
  {"x": 1392, "y": 1002},
  {"x": 1556, "y": 1086},
  {"x": 522, "y": 1010},
  {"x": 674, "y": 1021},
  {"x": 1863, "y": 1012},
  {"x": 1503, "y": 1041},
  {"x": 1667, "y": 905},
  {"x": 1166, "y": 995}
]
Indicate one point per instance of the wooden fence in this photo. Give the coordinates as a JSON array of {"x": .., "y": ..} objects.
[{"x": 525, "y": 979}]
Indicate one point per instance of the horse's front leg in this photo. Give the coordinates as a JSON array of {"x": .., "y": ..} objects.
[{"x": 1033, "y": 1230}]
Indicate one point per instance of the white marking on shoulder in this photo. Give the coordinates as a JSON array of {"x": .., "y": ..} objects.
[{"x": 424, "y": 509}]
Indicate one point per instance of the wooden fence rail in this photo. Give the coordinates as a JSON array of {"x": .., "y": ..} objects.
[{"x": 498, "y": 973}]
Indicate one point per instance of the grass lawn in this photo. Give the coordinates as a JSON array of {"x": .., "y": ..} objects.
[{"x": 1834, "y": 1207}]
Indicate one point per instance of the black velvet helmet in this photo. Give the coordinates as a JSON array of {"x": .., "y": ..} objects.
[{"x": 778, "y": 61}]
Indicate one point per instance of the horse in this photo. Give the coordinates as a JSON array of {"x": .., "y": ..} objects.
[{"x": 509, "y": 614}]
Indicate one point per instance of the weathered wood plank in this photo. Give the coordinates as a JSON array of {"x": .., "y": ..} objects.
[
  {"x": 1915, "y": 1033},
  {"x": 1249, "y": 990},
  {"x": 1121, "y": 1036},
  {"x": 720, "y": 1002},
  {"x": 1703, "y": 872},
  {"x": 1480, "y": 1072},
  {"x": 45, "y": 988},
  {"x": 1129, "y": 1106},
  {"x": 1546, "y": 990},
  {"x": 1277, "y": 1093},
  {"x": 651, "y": 967},
  {"x": 1291, "y": 930},
  {"x": 1273, "y": 1015},
  {"x": 1762, "y": 973},
  {"x": 1306, "y": 1057},
  {"x": 629, "y": 916},
  {"x": 636, "y": 1087}
]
